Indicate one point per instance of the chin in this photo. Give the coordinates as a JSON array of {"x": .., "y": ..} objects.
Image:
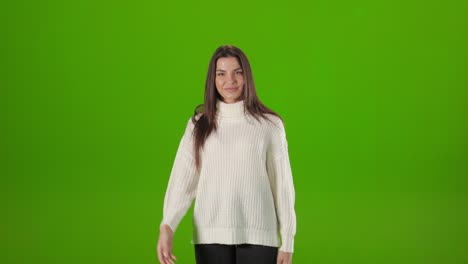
[{"x": 233, "y": 97}]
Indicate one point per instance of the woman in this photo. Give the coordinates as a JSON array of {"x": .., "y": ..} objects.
[{"x": 233, "y": 158}]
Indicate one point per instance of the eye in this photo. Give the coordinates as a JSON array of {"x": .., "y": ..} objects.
[
  {"x": 220, "y": 73},
  {"x": 240, "y": 72}
]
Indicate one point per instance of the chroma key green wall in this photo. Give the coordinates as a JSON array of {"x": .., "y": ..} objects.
[{"x": 96, "y": 94}]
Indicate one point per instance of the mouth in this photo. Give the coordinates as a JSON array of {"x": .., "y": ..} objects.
[{"x": 231, "y": 88}]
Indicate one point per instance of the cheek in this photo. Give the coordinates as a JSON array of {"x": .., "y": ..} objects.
[{"x": 219, "y": 83}]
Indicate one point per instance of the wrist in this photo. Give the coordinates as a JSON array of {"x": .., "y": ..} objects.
[{"x": 165, "y": 227}]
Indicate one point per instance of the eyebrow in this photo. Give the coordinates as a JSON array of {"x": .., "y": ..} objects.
[{"x": 234, "y": 69}]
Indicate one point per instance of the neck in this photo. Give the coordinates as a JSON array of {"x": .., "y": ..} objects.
[{"x": 230, "y": 109}]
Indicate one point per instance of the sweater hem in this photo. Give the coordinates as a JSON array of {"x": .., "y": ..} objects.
[{"x": 231, "y": 236}]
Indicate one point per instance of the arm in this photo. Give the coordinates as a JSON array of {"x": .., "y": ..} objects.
[
  {"x": 281, "y": 180},
  {"x": 183, "y": 181}
]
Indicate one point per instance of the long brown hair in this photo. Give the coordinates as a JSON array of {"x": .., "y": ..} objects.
[{"x": 204, "y": 116}]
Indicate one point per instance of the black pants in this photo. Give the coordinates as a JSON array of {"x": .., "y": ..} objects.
[{"x": 235, "y": 254}]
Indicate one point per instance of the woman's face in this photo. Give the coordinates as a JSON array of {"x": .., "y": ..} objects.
[{"x": 229, "y": 79}]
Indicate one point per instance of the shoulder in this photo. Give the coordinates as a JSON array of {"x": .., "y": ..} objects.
[
  {"x": 277, "y": 142},
  {"x": 198, "y": 115},
  {"x": 192, "y": 120},
  {"x": 275, "y": 123}
]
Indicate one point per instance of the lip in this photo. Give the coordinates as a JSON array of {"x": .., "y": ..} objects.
[{"x": 231, "y": 88}]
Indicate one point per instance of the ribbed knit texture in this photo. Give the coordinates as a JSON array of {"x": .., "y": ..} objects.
[{"x": 244, "y": 192}]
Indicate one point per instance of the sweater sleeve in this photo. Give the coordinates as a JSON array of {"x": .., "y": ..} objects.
[
  {"x": 183, "y": 180},
  {"x": 281, "y": 181}
]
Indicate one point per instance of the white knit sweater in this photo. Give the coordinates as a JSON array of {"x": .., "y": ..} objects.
[{"x": 244, "y": 191}]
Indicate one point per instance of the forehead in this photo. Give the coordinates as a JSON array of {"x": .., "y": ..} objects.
[{"x": 227, "y": 63}]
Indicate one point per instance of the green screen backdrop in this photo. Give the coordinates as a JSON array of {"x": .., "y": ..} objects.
[{"x": 96, "y": 95}]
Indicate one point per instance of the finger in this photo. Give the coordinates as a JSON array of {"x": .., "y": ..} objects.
[
  {"x": 173, "y": 257},
  {"x": 162, "y": 259},
  {"x": 168, "y": 260}
]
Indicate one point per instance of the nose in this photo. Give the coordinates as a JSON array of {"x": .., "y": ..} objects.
[{"x": 231, "y": 77}]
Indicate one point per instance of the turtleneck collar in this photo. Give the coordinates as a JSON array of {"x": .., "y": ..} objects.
[{"x": 230, "y": 110}]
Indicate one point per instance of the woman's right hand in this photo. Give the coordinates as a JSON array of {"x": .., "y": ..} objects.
[{"x": 164, "y": 248}]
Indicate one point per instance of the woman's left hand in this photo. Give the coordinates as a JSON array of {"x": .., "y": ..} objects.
[{"x": 284, "y": 257}]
